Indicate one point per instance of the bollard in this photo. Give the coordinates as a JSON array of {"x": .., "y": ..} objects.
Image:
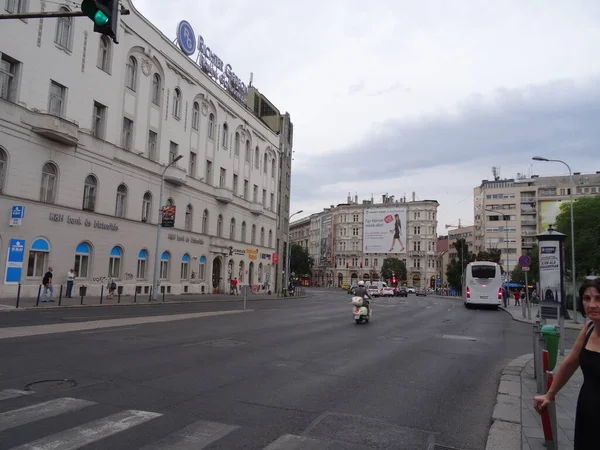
[
  {"x": 82, "y": 293},
  {"x": 150, "y": 295},
  {"x": 540, "y": 378},
  {"x": 119, "y": 293},
  {"x": 60, "y": 295},
  {"x": 37, "y": 303},
  {"x": 536, "y": 358},
  {"x": 101, "y": 293},
  {"x": 549, "y": 424},
  {"x": 135, "y": 295},
  {"x": 18, "y": 296}
]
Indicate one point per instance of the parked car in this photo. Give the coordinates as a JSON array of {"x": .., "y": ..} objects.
[
  {"x": 401, "y": 292},
  {"x": 421, "y": 291},
  {"x": 388, "y": 291},
  {"x": 410, "y": 290},
  {"x": 373, "y": 291}
]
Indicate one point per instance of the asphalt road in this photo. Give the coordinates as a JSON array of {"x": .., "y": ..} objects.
[{"x": 296, "y": 375}]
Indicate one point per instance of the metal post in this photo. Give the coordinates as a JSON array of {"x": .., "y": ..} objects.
[
  {"x": 164, "y": 289},
  {"x": 60, "y": 295},
  {"x": 245, "y": 294},
  {"x": 37, "y": 302},
  {"x": 18, "y": 296},
  {"x": 527, "y": 297},
  {"x": 101, "y": 292},
  {"x": 574, "y": 278},
  {"x": 536, "y": 356},
  {"x": 540, "y": 378},
  {"x": 150, "y": 295},
  {"x": 135, "y": 295},
  {"x": 506, "y": 229},
  {"x": 561, "y": 341}
]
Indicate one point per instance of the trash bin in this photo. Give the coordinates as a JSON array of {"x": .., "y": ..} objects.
[
  {"x": 120, "y": 290},
  {"x": 552, "y": 337},
  {"x": 82, "y": 291}
]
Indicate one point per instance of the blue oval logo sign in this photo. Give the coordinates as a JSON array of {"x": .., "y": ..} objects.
[{"x": 186, "y": 38}]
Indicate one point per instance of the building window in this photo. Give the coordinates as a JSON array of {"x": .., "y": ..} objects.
[
  {"x": 208, "y": 174},
  {"x": 173, "y": 151},
  {"x": 243, "y": 231},
  {"x": 220, "y": 226},
  {"x": 192, "y": 164},
  {"x": 235, "y": 184},
  {"x": 170, "y": 202},
  {"x": 262, "y": 236},
  {"x": 82, "y": 260},
  {"x": 241, "y": 272},
  {"x": 146, "y": 207},
  {"x": 270, "y": 238},
  {"x": 9, "y": 70},
  {"x": 127, "y": 137},
  {"x": 232, "y": 229},
  {"x": 49, "y": 180},
  {"x": 114, "y": 263},
  {"x": 16, "y": 6},
  {"x": 260, "y": 273},
  {"x": 177, "y": 103},
  {"x": 273, "y": 168},
  {"x": 38, "y": 258},
  {"x": 245, "y": 193},
  {"x": 222, "y": 178},
  {"x": 236, "y": 145},
  {"x": 185, "y": 267},
  {"x": 189, "y": 217},
  {"x": 99, "y": 120},
  {"x": 121, "y": 203},
  {"x": 225, "y": 136},
  {"x": 211, "y": 126},
  {"x": 131, "y": 73},
  {"x": 89, "y": 193},
  {"x": 256, "y": 157},
  {"x": 3, "y": 169},
  {"x": 56, "y": 102},
  {"x": 205, "y": 222},
  {"x": 253, "y": 235},
  {"x": 196, "y": 116},
  {"x": 141, "y": 264},
  {"x": 64, "y": 28},
  {"x": 248, "y": 153},
  {"x": 156, "y": 89},
  {"x": 265, "y": 161},
  {"x": 152, "y": 142},
  {"x": 255, "y": 194},
  {"x": 104, "y": 54},
  {"x": 272, "y": 202},
  {"x": 264, "y": 198},
  {"x": 202, "y": 268},
  {"x": 164, "y": 266}
]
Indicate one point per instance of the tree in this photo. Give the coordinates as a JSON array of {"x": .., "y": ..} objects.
[
  {"x": 301, "y": 262},
  {"x": 456, "y": 267},
  {"x": 493, "y": 255},
  {"x": 587, "y": 234},
  {"x": 393, "y": 265},
  {"x": 518, "y": 276}
]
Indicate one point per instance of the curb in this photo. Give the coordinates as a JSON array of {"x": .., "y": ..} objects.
[
  {"x": 506, "y": 429},
  {"x": 568, "y": 325},
  {"x": 6, "y": 308}
]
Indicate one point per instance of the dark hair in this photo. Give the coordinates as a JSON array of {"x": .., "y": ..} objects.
[{"x": 590, "y": 283}]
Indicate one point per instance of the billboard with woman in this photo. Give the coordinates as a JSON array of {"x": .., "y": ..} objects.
[{"x": 384, "y": 230}]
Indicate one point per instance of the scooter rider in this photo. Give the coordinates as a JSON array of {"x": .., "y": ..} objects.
[{"x": 361, "y": 291}]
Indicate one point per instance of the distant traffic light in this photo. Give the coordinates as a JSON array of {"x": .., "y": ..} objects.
[{"x": 104, "y": 14}]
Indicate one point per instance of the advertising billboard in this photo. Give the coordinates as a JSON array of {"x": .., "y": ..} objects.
[
  {"x": 549, "y": 210},
  {"x": 384, "y": 230},
  {"x": 325, "y": 250}
]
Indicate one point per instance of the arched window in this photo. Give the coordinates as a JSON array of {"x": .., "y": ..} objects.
[
  {"x": 82, "y": 260},
  {"x": 104, "y": 54},
  {"x": 202, "y": 268},
  {"x": 205, "y": 222},
  {"x": 64, "y": 30},
  {"x": 236, "y": 144},
  {"x": 256, "y": 157},
  {"x": 156, "y": 89},
  {"x": 189, "y": 216},
  {"x": 211, "y": 126},
  {"x": 265, "y": 161},
  {"x": 270, "y": 238},
  {"x": 49, "y": 181},
  {"x": 164, "y": 265},
  {"x": 114, "y": 262},
  {"x": 220, "y": 226},
  {"x": 146, "y": 207},
  {"x": 273, "y": 168},
  {"x": 196, "y": 116},
  {"x": 131, "y": 73},
  {"x": 262, "y": 236},
  {"x": 121, "y": 203},
  {"x": 141, "y": 264},
  {"x": 177, "y": 103},
  {"x": 241, "y": 272},
  {"x": 248, "y": 152},
  {"x": 170, "y": 202},
  {"x": 3, "y": 169},
  {"x": 39, "y": 253},
  {"x": 243, "y": 231},
  {"x": 232, "y": 229},
  {"x": 225, "y": 136},
  {"x": 260, "y": 273},
  {"x": 253, "y": 235},
  {"x": 185, "y": 267},
  {"x": 90, "y": 191}
]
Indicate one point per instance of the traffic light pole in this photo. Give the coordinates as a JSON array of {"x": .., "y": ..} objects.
[{"x": 43, "y": 15}]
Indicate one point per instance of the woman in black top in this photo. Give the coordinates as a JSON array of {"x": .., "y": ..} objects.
[
  {"x": 585, "y": 354},
  {"x": 397, "y": 230}
]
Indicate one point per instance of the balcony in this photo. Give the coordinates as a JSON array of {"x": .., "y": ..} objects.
[
  {"x": 528, "y": 211},
  {"x": 528, "y": 232},
  {"x": 223, "y": 195},
  {"x": 528, "y": 243},
  {"x": 256, "y": 208},
  {"x": 416, "y": 254},
  {"x": 58, "y": 129},
  {"x": 176, "y": 175},
  {"x": 528, "y": 221},
  {"x": 527, "y": 199}
]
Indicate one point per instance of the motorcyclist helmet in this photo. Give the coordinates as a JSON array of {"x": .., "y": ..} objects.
[{"x": 361, "y": 283}]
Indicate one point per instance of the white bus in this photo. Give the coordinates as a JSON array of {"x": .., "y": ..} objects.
[{"x": 483, "y": 284}]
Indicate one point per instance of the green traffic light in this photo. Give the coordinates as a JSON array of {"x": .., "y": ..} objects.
[{"x": 100, "y": 18}]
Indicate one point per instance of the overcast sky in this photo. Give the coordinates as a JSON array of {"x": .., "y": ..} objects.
[{"x": 396, "y": 96}]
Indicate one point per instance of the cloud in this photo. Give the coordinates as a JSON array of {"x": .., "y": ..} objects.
[{"x": 356, "y": 88}]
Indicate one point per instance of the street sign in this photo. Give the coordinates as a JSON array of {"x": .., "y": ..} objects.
[
  {"x": 16, "y": 215},
  {"x": 525, "y": 269},
  {"x": 14, "y": 261},
  {"x": 524, "y": 261}
]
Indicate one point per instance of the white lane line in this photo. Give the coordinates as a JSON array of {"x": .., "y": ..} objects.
[
  {"x": 35, "y": 330},
  {"x": 39, "y": 411},
  {"x": 293, "y": 442},
  {"x": 196, "y": 436},
  {"x": 13, "y": 393},
  {"x": 108, "y": 331},
  {"x": 96, "y": 430}
]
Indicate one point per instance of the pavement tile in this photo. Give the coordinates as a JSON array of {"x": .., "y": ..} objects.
[
  {"x": 533, "y": 432},
  {"x": 536, "y": 444}
]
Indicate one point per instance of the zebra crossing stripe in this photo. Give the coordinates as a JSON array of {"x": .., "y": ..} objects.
[
  {"x": 13, "y": 393},
  {"x": 293, "y": 442},
  {"x": 90, "y": 432},
  {"x": 39, "y": 411},
  {"x": 196, "y": 436}
]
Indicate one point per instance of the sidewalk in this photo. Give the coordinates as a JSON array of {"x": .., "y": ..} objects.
[{"x": 517, "y": 314}]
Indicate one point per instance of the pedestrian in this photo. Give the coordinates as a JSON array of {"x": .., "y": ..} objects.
[
  {"x": 70, "y": 281},
  {"x": 112, "y": 286},
  {"x": 585, "y": 354},
  {"x": 48, "y": 286},
  {"x": 234, "y": 286},
  {"x": 517, "y": 297},
  {"x": 505, "y": 295}
]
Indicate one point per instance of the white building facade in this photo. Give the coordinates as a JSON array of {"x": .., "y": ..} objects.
[{"x": 86, "y": 130}]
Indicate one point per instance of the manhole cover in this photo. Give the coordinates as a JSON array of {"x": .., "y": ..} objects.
[
  {"x": 224, "y": 343},
  {"x": 49, "y": 385}
]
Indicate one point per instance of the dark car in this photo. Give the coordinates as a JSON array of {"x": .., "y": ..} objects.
[{"x": 401, "y": 292}]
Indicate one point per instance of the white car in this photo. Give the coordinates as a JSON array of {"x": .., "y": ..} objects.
[
  {"x": 373, "y": 291},
  {"x": 387, "y": 292}
]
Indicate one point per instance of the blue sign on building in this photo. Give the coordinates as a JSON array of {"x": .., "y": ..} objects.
[
  {"x": 17, "y": 212},
  {"x": 186, "y": 38},
  {"x": 14, "y": 261}
]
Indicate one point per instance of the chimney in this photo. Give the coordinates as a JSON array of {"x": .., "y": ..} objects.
[
  {"x": 349, "y": 198},
  {"x": 356, "y": 199},
  {"x": 383, "y": 198},
  {"x": 413, "y": 196}
]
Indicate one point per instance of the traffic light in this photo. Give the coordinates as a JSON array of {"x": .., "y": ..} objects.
[{"x": 104, "y": 14}]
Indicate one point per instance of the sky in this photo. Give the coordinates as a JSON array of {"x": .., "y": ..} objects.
[{"x": 398, "y": 96}]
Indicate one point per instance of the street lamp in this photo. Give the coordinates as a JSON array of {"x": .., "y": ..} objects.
[
  {"x": 287, "y": 262},
  {"x": 505, "y": 218},
  {"x": 156, "y": 275},
  {"x": 541, "y": 158}
]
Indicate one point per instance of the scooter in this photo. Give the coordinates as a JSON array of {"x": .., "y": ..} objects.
[{"x": 361, "y": 312}]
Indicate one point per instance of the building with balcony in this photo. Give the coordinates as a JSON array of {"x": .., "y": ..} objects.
[
  {"x": 87, "y": 128},
  {"x": 344, "y": 252}
]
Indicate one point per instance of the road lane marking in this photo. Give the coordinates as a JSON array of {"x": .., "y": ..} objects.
[
  {"x": 39, "y": 411},
  {"x": 197, "y": 435},
  {"x": 293, "y": 442},
  {"x": 87, "y": 433},
  {"x": 464, "y": 338},
  {"x": 36, "y": 330},
  {"x": 13, "y": 393}
]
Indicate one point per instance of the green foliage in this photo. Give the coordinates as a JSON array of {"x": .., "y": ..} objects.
[
  {"x": 456, "y": 266},
  {"x": 518, "y": 276},
  {"x": 393, "y": 265},
  {"x": 301, "y": 262}
]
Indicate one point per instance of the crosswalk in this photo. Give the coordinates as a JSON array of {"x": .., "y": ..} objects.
[{"x": 197, "y": 435}]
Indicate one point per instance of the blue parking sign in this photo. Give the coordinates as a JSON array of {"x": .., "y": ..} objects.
[
  {"x": 14, "y": 261},
  {"x": 17, "y": 212}
]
